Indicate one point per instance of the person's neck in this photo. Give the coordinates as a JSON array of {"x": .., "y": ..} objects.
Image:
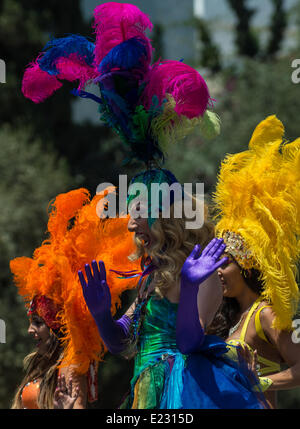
[{"x": 246, "y": 299}]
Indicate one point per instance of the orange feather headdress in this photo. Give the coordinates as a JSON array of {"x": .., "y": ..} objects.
[{"x": 76, "y": 237}]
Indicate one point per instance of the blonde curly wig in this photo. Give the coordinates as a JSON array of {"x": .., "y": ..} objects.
[{"x": 171, "y": 243}]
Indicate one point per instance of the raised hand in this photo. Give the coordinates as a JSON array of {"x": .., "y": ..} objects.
[
  {"x": 65, "y": 395},
  {"x": 198, "y": 267},
  {"x": 98, "y": 299},
  {"x": 248, "y": 358},
  {"x": 95, "y": 290}
]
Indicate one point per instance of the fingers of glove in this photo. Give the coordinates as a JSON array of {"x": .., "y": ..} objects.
[
  {"x": 219, "y": 263},
  {"x": 88, "y": 272},
  {"x": 220, "y": 250},
  {"x": 96, "y": 271},
  {"x": 195, "y": 252},
  {"x": 209, "y": 246},
  {"x": 106, "y": 291},
  {"x": 82, "y": 279},
  {"x": 102, "y": 271},
  {"x": 215, "y": 247}
]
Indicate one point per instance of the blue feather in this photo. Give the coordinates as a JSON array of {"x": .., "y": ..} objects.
[
  {"x": 84, "y": 94},
  {"x": 131, "y": 54},
  {"x": 64, "y": 47}
]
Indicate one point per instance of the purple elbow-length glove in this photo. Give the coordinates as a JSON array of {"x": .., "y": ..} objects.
[
  {"x": 98, "y": 299},
  {"x": 196, "y": 268}
]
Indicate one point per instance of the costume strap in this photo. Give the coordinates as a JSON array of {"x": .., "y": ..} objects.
[
  {"x": 270, "y": 366},
  {"x": 258, "y": 327},
  {"x": 251, "y": 311}
]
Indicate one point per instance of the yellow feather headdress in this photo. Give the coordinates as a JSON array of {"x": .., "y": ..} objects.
[{"x": 257, "y": 203}]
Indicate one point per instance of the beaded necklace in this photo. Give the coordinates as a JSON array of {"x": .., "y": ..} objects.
[{"x": 235, "y": 327}]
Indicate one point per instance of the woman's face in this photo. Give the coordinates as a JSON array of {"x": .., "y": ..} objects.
[
  {"x": 139, "y": 225},
  {"x": 231, "y": 278},
  {"x": 40, "y": 332}
]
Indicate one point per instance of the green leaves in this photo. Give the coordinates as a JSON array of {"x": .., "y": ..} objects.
[{"x": 31, "y": 175}]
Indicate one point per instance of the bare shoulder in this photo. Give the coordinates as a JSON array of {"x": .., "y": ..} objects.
[
  {"x": 266, "y": 317},
  {"x": 267, "y": 314}
]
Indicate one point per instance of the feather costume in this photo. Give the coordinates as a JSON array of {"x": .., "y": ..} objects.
[
  {"x": 148, "y": 106},
  {"x": 257, "y": 202},
  {"x": 76, "y": 237}
]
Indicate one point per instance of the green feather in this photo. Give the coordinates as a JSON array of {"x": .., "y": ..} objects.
[{"x": 210, "y": 125}]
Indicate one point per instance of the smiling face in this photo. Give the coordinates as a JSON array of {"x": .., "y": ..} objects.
[
  {"x": 40, "y": 332},
  {"x": 231, "y": 278},
  {"x": 139, "y": 225}
]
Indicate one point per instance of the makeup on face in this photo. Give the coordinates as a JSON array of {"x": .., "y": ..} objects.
[
  {"x": 139, "y": 225},
  {"x": 230, "y": 277},
  {"x": 40, "y": 332}
]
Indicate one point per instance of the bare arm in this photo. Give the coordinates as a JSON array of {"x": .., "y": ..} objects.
[
  {"x": 209, "y": 299},
  {"x": 79, "y": 381},
  {"x": 130, "y": 311},
  {"x": 200, "y": 295},
  {"x": 289, "y": 351}
]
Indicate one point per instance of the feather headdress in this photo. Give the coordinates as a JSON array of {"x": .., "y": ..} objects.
[
  {"x": 76, "y": 236},
  {"x": 148, "y": 106},
  {"x": 257, "y": 202}
]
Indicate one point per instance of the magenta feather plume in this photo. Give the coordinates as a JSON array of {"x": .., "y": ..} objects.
[
  {"x": 73, "y": 68},
  {"x": 117, "y": 22},
  {"x": 182, "y": 82},
  {"x": 38, "y": 85}
]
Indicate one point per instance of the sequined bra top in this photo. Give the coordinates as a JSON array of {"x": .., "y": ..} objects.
[
  {"x": 269, "y": 367},
  {"x": 30, "y": 394}
]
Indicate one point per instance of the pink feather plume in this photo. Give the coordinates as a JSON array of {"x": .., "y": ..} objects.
[
  {"x": 185, "y": 84},
  {"x": 72, "y": 68},
  {"x": 115, "y": 23},
  {"x": 38, "y": 85}
]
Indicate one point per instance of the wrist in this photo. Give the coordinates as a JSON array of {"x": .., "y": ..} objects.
[
  {"x": 102, "y": 315},
  {"x": 189, "y": 284},
  {"x": 264, "y": 384}
]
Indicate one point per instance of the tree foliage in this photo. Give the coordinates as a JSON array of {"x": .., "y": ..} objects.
[
  {"x": 246, "y": 39},
  {"x": 210, "y": 55},
  {"x": 278, "y": 26},
  {"x": 30, "y": 178}
]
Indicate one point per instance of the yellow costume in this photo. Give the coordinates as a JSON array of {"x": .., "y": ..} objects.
[
  {"x": 258, "y": 209},
  {"x": 270, "y": 367},
  {"x": 257, "y": 202}
]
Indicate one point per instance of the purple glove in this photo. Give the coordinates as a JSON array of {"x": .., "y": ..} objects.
[
  {"x": 196, "y": 269},
  {"x": 98, "y": 299}
]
